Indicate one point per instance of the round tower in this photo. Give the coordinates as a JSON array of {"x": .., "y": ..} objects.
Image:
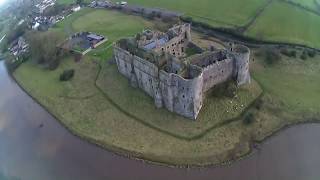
[{"x": 242, "y": 57}]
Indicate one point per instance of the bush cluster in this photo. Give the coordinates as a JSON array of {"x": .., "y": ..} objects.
[
  {"x": 288, "y": 53},
  {"x": 248, "y": 118},
  {"x": 67, "y": 75},
  {"x": 272, "y": 56}
]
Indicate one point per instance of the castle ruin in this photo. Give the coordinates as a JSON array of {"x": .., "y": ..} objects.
[{"x": 177, "y": 73}]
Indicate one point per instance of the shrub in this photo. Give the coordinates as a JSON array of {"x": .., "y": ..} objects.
[
  {"x": 293, "y": 54},
  {"x": 272, "y": 56},
  {"x": 228, "y": 89},
  {"x": 311, "y": 53},
  {"x": 248, "y": 118},
  {"x": 288, "y": 53},
  {"x": 187, "y": 19},
  {"x": 304, "y": 55},
  {"x": 259, "y": 104},
  {"x": 231, "y": 90},
  {"x": 67, "y": 75}
]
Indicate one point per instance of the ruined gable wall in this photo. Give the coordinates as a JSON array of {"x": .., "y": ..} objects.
[{"x": 177, "y": 45}]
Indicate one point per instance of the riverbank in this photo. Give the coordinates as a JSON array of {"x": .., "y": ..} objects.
[
  {"x": 56, "y": 154},
  {"x": 95, "y": 115}
]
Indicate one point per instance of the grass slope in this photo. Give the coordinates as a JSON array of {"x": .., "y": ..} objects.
[
  {"x": 135, "y": 102},
  {"x": 282, "y": 22}
]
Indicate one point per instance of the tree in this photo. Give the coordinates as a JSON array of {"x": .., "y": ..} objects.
[
  {"x": 248, "y": 118},
  {"x": 79, "y": 2},
  {"x": 67, "y": 75},
  {"x": 43, "y": 48}
]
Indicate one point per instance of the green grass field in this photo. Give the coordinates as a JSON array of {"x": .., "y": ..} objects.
[
  {"x": 227, "y": 13},
  {"x": 282, "y": 22},
  {"x": 294, "y": 82},
  {"x": 279, "y": 22}
]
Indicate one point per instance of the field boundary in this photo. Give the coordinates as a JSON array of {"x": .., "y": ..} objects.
[
  {"x": 301, "y": 7},
  {"x": 254, "y": 18}
]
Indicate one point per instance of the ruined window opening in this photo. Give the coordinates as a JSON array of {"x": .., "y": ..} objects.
[
  {"x": 182, "y": 49},
  {"x": 183, "y": 96}
]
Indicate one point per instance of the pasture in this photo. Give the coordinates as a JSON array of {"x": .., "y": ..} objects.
[
  {"x": 281, "y": 22},
  {"x": 227, "y": 13}
]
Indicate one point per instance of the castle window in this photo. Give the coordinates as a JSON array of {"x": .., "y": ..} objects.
[
  {"x": 183, "y": 96},
  {"x": 174, "y": 53},
  {"x": 162, "y": 49},
  {"x": 184, "y": 106},
  {"x": 182, "y": 49}
]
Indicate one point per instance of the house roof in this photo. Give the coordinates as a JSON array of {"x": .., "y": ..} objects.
[
  {"x": 153, "y": 44},
  {"x": 94, "y": 36}
]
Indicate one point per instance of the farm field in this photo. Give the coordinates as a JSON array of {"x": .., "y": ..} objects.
[
  {"x": 227, "y": 13},
  {"x": 278, "y": 22},
  {"x": 281, "y": 22},
  {"x": 312, "y": 4},
  {"x": 91, "y": 106}
]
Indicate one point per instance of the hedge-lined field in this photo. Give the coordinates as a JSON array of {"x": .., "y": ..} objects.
[
  {"x": 282, "y": 22},
  {"x": 311, "y": 4},
  {"x": 226, "y": 13}
]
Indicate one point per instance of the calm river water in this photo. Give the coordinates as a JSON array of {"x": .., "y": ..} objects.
[{"x": 34, "y": 146}]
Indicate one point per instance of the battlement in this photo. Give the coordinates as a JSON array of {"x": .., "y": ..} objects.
[{"x": 156, "y": 63}]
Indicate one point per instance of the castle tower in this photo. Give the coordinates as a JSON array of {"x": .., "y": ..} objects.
[{"x": 242, "y": 57}]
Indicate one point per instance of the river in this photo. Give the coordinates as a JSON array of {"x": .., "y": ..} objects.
[{"x": 34, "y": 146}]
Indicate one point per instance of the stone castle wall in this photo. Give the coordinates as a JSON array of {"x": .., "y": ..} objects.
[
  {"x": 169, "y": 90},
  {"x": 180, "y": 87}
]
